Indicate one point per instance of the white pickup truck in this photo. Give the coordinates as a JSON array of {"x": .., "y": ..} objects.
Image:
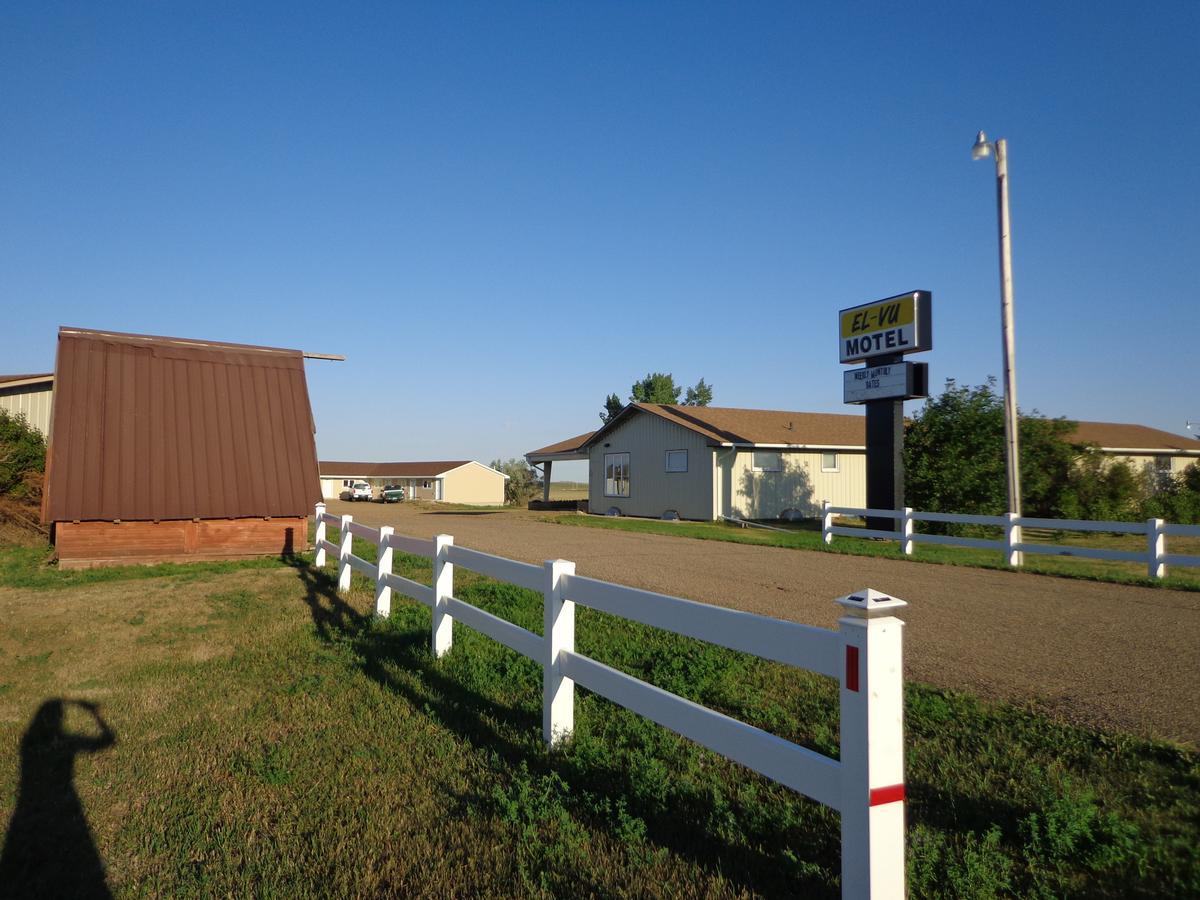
[{"x": 359, "y": 490}]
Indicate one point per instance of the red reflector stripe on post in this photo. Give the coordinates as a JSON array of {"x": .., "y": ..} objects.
[
  {"x": 852, "y": 668},
  {"x": 890, "y": 794}
]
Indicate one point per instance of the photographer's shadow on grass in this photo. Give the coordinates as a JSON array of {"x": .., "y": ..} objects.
[{"x": 48, "y": 848}]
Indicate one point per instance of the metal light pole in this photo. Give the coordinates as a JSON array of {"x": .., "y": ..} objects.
[{"x": 982, "y": 149}]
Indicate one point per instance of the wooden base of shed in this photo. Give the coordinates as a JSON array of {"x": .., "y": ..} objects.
[{"x": 81, "y": 545}]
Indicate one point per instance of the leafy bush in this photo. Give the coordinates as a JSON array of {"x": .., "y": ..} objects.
[
  {"x": 1101, "y": 489},
  {"x": 523, "y": 482},
  {"x": 954, "y": 455},
  {"x": 1177, "y": 499},
  {"x": 954, "y": 462},
  {"x": 22, "y": 457}
]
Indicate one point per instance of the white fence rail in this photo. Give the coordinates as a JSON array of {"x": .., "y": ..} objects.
[
  {"x": 1012, "y": 545},
  {"x": 866, "y": 785}
]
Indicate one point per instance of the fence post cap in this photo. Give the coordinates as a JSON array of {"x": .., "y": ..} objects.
[{"x": 869, "y": 603}]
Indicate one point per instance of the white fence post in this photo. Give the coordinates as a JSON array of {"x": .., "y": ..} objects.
[
  {"x": 872, "y": 745},
  {"x": 443, "y": 587},
  {"x": 558, "y": 691},
  {"x": 906, "y": 531},
  {"x": 319, "y": 559},
  {"x": 1012, "y": 537},
  {"x": 1156, "y": 548},
  {"x": 344, "y": 569},
  {"x": 383, "y": 568},
  {"x": 826, "y": 522}
]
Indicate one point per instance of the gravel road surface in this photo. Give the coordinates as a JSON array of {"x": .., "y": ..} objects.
[{"x": 1100, "y": 654}]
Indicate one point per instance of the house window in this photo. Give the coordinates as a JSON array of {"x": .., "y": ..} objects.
[
  {"x": 426, "y": 484},
  {"x": 768, "y": 461},
  {"x": 616, "y": 474},
  {"x": 1162, "y": 465},
  {"x": 676, "y": 460},
  {"x": 829, "y": 462}
]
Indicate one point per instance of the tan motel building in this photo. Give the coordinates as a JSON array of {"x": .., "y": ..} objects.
[
  {"x": 449, "y": 481},
  {"x": 706, "y": 462}
]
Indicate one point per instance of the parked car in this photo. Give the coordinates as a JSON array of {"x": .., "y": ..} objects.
[
  {"x": 391, "y": 493},
  {"x": 360, "y": 490}
]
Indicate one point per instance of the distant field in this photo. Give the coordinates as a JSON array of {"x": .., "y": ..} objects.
[{"x": 568, "y": 490}]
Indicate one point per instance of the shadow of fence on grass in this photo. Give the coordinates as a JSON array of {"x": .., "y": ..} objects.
[{"x": 772, "y": 855}]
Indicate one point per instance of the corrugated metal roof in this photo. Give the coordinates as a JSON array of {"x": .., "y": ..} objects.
[
  {"x": 151, "y": 428},
  {"x": 389, "y": 469}
]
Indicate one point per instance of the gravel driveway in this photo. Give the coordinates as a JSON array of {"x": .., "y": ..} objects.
[{"x": 1100, "y": 654}]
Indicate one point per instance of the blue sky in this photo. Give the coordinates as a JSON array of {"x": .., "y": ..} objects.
[{"x": 500, "y": 213}]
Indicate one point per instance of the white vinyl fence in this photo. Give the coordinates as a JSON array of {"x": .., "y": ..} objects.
[
  {"x": 866, "y": 785},
  {"x": 1155, "y": 556}
]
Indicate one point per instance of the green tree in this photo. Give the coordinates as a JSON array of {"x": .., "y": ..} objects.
[
  {"x": 22, "y": 457},
  {"x": 658, "y": 387},
  {"x": 1177, "y": 500},
  {"x": 612, "y": 406},
  {"x": 700, "y": 395},
  {"x": 523, "y": 482},
  {"x": 1100, "y": 488},
  {"x": 954, "y": 456}
]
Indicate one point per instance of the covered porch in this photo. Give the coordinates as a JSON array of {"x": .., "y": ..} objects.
[{"x": 543, "y": 459}]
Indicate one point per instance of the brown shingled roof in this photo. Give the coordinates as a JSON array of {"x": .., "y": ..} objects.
[
  {"x": 389, "y": 469},
  {"x": 729, "y": 425},
  {"x": 1114, "y": 436},
  {"x": 148, "y": 428},
  {"x": 567, "y": 446}
]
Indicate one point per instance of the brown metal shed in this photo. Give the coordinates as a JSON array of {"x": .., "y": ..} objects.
[{"x": 173, "y": 449}]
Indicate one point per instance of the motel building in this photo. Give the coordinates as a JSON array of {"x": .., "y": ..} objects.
[
  {"x": 705, "y": 462},
  {"x": 454, "y": 481}
]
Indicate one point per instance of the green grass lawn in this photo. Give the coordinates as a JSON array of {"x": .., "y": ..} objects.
[
  {"x": 273, "y": 738},
  {"x": 807, "y": 536}
]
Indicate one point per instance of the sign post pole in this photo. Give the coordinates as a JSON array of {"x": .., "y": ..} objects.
[{"x": 885, "y": 454}]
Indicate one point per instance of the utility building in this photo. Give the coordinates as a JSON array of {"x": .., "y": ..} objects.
[{"x": 168, "y": 449}]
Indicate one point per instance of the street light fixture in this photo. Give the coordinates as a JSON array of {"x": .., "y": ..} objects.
[{"x": 982, "y": 150}]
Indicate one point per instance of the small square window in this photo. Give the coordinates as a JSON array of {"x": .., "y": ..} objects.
[
  {"x": 677, "y": 461},
  {"x": 829, "y": 462},
  {"x": 768, "y": 461}
]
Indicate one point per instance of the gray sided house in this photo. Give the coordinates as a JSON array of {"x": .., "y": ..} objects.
[{"x": 706, "y": 462}]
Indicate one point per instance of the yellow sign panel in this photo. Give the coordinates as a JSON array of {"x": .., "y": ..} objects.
[
  {"x": 878, "y": 316},
  {"x": 899, "y": 324}
]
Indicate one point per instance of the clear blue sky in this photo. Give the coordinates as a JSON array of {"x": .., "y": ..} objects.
[{"x": 500, "y": 213}]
